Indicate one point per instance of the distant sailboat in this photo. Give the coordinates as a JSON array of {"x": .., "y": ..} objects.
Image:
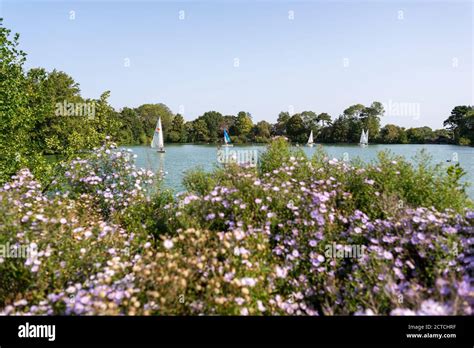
[
  {"x": 227, "y": 139},
  {"x": 310, "y": 140},
  {"x": 364, "y": 138},
  {"x": 157, "y": 142}
]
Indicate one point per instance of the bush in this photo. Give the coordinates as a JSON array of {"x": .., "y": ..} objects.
[{"x": 298, "y": 236}]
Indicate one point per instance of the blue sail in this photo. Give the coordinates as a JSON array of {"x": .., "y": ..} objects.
[{"x": 226, "y": 137}]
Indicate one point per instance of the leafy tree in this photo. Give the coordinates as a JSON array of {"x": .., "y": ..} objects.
[
  {"x": 324, "y": 118},
  {"x": 228, "y": 123},
  {"x": 420, "y": 135},
  {"x": 132, "y": 131},
  {"x": 456, "y": 117},
  {"x": 243, "y": 125},
  {"x": 371, "y": 118},
  {"x": 200, "y": 131},
  {"x": 262, "y": 132},
  {"x": 213, "y": 121},
  {"x": 295, "y": 129},
  {"x": 340, "y": 130},
  {"x": 310, "y": 120},
  {"x": 178, "y": 130},
  {"x": 280, "y": 127},
  {"x": 392, "y": 134},
  {"x": 18, "y": 115},
  {"x": 148, "y": 115}
]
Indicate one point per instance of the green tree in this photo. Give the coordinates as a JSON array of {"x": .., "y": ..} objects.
[
  {"x": 199, "y": 131},
  {"x": 213, "y": 121},
  {"x": 324, "y": 118},
  {"x": 148, "y": 115},
  {"x": 340, "y": 130},
  {"x": 243, "y": 125},
  {"x": 262, "y": 132},
  {"x": 371, "y": 118},
  {"x": 460, "y": 123},
  {"x": 18, "y": 115},
  {"x": 178, "y": 130},
  {"x": 131, "y": 132},
  {"x": 392, "y": 134},
  {"x": 420, "y": 135},
  {"x": 295, "y": 129},
  {"x": 280, "y": 127}
]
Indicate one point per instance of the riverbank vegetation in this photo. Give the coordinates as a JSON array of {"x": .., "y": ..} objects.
[
  {"x": 294, "y": 236},
  {"x": 43, "y": 113}
]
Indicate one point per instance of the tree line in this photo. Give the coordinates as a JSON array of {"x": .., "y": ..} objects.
[{"x": 137, "y": 126}]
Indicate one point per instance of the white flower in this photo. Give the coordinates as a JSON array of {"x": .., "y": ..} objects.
[
  {"x": 248, "y": 282},
  {"x": 280, "y": 272},
  {"x": 168, "y": 244}
]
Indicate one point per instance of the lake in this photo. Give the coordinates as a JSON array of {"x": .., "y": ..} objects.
[{"x": 181, "y": 157}]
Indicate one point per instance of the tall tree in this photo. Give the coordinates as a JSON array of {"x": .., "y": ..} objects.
[
  {"x": 178, "y": 130},
  {"x": 295, "y": 129},
  {"x": 456, "y": 122},
  {"x": 149, "y": 113},
  {"x": 262, "y": 132},
  {"x": 324, "y": 118},
  {"x": 19, "y": 117},
  {"x": 243, "y": 125},
  {"x": 280, "y": 127}
]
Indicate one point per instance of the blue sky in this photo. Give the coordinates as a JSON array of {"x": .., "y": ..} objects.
[{"x": 331, "y": 55}]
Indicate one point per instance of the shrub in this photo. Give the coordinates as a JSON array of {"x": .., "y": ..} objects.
[{"x": 299, "y": 236}]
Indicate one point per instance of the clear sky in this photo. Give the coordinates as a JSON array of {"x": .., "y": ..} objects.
[{"x": 259, "y": 56}]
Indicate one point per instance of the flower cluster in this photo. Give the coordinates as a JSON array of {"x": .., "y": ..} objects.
[
  {"x": 109, "y": 176},
  {"x": 298, "y": 237}
]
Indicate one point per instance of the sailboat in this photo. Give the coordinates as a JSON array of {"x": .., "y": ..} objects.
[
  {"x": 227, "y": 139},
  {"x": 364, "y": 138},
  {"x": 157, "y": 142},
  {"x": 310, "y": 140}
]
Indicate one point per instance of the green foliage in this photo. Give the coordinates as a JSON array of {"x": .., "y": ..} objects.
[
  {"x": 243, "y": 124},
  {"x": 199, "y": 181},
  {"x": 241, "y": 241},
  {"x": 21, "y": 109},
  {"x": 461, "y": 123},
  {"x": 43, "y": 113},
  {"x": 421, "y": 135},
  {"x": 278, "y": 151},
  {"x": 392, "y": 134}
]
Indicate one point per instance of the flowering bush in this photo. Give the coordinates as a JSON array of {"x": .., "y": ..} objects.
[
  {"x": 296, "y": 236},
  {"x": 108, "y": 176}
]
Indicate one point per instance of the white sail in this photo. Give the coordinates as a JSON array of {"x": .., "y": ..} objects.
[
  {"x": 310, "y": 140},
  {"x": 157, "y": 142},
  {"x": 364, "y": 138}
]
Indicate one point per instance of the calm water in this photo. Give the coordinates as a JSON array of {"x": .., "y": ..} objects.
[{"x": 179, "y": 158}]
